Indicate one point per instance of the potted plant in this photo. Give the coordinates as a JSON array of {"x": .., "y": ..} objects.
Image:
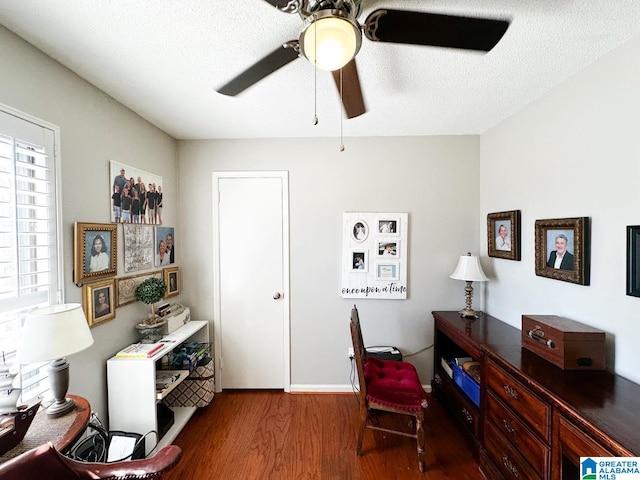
[{"x": 151, "y": 291}]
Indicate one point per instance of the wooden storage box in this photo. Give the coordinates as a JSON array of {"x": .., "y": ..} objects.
[{"x": 566, "y": 343}]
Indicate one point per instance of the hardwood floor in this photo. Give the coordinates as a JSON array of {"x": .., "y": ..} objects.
[{"x": 274, "y": 435}]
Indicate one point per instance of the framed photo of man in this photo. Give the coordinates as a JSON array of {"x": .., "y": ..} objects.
[
  {"x": 503, "y": 235},
  {"x": 563, "y": 249},
  {"x": 99, "y": 301}
]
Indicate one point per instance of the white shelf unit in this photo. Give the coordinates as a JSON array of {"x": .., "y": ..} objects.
[{"x": 131, "y": 387}]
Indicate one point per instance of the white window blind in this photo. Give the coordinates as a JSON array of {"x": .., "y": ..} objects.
[{"x": 29, "y": 276}]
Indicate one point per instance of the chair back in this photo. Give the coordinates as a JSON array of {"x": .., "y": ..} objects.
[{"x": 359, "y": 351}]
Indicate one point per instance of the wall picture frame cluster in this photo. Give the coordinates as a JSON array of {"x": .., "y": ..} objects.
[{"x": 374, "y": 258}]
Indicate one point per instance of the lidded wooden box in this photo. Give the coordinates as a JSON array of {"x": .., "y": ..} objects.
[{"x": 566, "y": 343}]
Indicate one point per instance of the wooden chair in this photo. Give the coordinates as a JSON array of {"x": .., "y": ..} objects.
[
  {"x": 387, "y": 386},
  {"x": 46, "y": 462}
]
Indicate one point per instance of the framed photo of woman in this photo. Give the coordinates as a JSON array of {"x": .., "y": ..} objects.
[
  {"x": 503, "y": 235},
  {"x": 99, "y": 301},
  {"x": 95, "y": 251}
]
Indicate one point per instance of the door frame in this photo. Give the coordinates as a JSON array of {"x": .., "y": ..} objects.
[{"x": 217, "y": 320}]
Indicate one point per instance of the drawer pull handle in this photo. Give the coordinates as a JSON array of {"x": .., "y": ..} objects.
[
  {"x": 467, "y": 415},
  {"x": 510, "y": 466},
  {"x": 437, "y": 379},
  {"x": 537, "y": 334},
  {"x": 512, "y": 392},
  {"x": 510, "y": 428}
]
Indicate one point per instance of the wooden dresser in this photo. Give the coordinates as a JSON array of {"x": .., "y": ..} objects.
[{"x": 534, "y": 420}]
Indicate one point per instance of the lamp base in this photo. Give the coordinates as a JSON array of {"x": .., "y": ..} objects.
[
  {"x": 468, "y": 313},
  {"x": 61, "y": 408}
]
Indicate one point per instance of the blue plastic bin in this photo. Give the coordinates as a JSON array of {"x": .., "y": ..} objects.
[{"x": 467, "y": 384}]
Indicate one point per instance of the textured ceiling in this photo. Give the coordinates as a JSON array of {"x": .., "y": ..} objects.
[{"x": 164, "y": 59}]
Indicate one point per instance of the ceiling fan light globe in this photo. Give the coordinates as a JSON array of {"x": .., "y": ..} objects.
[{"x": 331, "y": 42}]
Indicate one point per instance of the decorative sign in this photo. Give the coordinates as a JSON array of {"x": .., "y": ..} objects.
[
  {"x": 374, "y": 255},
  {"x": 138, "y": 247}
]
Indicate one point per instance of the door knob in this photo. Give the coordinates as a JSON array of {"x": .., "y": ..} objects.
[{"x": 276, "y": 296}]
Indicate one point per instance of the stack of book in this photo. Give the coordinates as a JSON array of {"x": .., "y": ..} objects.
[{"x": 139, "y": 350}]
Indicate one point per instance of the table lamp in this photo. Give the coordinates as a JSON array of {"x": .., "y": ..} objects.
[
  {"x": 469, "y": 270},
  {"x": 51, "y": 333}
]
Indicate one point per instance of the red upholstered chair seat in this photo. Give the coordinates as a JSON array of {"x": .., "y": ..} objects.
[{"x": 393, "y": 384}]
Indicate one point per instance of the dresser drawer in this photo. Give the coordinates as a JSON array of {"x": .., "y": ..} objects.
[
  {"x": 520, "y": 399},
  {"x": 517, "y": 433},
  {"x": 511, "y": 464}
]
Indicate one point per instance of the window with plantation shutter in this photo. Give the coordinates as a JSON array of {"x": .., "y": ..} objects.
[{"x": 29, "y": 276}]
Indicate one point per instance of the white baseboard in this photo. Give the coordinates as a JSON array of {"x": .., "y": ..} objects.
[{"x": 316, "y": 388}]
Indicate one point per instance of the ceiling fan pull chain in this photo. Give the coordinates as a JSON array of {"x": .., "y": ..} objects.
[{"x": 340, "y": 111}]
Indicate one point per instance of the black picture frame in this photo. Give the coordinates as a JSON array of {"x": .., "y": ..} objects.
[
  {"x": 577, "y": 237},
  {"x": 633, "y": 260},
  {"x": 511, "y": 222}
]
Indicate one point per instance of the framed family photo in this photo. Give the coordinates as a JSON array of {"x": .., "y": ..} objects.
[
  {"x": 563, "y": 249},
  {"x": 99, "y": 301},
  {"x": 172, "y": 281},
  {"x": 503, "y": 235},
  {"x": 633, "y": 261},
  {"x": 95, "y": 251}
]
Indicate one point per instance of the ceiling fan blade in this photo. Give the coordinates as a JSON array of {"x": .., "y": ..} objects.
[
  {"x": 432, "y": 29},
  {"x": 351, "y": 92},
  {"x": 287, "y": 6},
  {"x": 288, "y": 52}
]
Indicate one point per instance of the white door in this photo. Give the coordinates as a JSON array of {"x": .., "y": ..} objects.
[{"x": 252, "y": 324}]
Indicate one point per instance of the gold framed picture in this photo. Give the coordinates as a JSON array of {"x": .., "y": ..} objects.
[
  {"x": 563, "y": 249},
  {"x": 503, "y": 235},
  {"x": 99, "y": 301},
  {"x": 95, "y": 251},
  {"x": 172, "y": 280}
]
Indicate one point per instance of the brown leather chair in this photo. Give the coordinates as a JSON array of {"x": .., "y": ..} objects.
[
  {"x": 46, "y": 462},
  {"x": 387, "y": 386}
]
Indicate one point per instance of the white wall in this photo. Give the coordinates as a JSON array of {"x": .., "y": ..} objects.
[
  {"x": 435, "y": 180},
  {"x": 575, "y": 152},
  {"x": 94, "y": 130}
]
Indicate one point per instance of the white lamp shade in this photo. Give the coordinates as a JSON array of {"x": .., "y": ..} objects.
[
  {"x": 469, "y": 269},
  {"x": 330, "y": 43},
  {"x": 53, "y": 332}
]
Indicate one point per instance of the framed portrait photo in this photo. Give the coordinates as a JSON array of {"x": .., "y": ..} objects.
[
  {"x": 563, "y": 249},
  {"x": 503, "y": 235},
  {"x": 633, "y": 261},
  {"x": 388, "y": 226},
  {"x": 360, "y": 231},
  {"x": 388, "y": 248},
  {"x": 99, "y": 301},
  {"x": 172, "y": 280},
  {"x": 95, "y": 251},
  {"x": 359, "y": 260}
]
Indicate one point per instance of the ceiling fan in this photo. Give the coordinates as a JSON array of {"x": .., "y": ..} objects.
[{"x": 331, "y": 37}]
